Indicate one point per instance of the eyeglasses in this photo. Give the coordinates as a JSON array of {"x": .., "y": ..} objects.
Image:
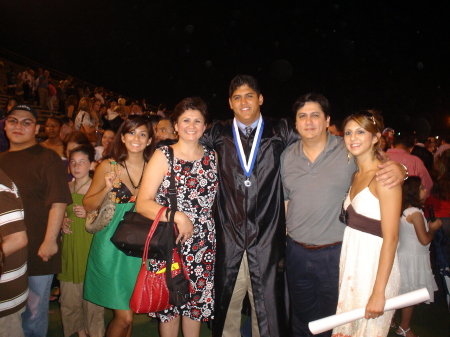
[{"x": 24, "y": 122}]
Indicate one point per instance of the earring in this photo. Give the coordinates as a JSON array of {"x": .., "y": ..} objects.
[{"x": 349, "y": 156}]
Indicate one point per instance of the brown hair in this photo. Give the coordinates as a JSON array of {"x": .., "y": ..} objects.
[
  {"x": 117, "y": 150},
  {"x": 190, "y": 103},
  {"x": 371, "y": 121}
]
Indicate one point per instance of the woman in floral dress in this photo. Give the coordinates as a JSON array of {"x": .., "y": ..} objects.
[{"x": 195, "y": 169}]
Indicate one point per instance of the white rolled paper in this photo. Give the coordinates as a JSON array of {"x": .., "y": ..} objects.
[{"x": 401, "y": 301}]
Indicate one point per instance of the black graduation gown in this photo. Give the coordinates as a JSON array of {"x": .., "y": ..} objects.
[{"x": 251, "y": 219}]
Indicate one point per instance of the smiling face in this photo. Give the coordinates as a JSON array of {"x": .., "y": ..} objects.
[
  {"x": 107, "y": 138},
  {"x": 245, "y": 103},
  {"x": 359, "y": 141},
  {"x": 79, "y": 165},
  {"x": 311, "y": 122},
  {"x": 190, "y": 125},
  {"x": 137, "y": 140}
]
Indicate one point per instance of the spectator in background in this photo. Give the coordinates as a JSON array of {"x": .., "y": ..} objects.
[
  {"x": 85, "y": 121},
  {"x": 27, "y": 77},
  {"x": 112, "y": 120},
  {"x": 388, "y": 134},
  {"x": 43, "y": 88},
  {"x": 431, "y": 145},
  {"x": 13, "y": 275},
  {"x": 382, "y": 143},
  {"x": 67, "y": 127},
  {"x": 107, "y": 138},
  {"x": 11, "y": 81},
  {"x": 61, "y": 96},
  {"x": 71, "y": 106},
  {"x": 136, "y": 109},
  {"x": 440, "y": 194},
  {"x": 53, "y": 130},
  {"x": 99, "y": 95},
  {"x": 161, "y": 110},
  {"x": 51, "y": 95},
  {"x": 420, "y": 151},
  {"x": 165, "y": 133},
  {"x": 402, "y": 146},
  {"x": 445, "y": 145},
  {"x": 335, "y": 128}
]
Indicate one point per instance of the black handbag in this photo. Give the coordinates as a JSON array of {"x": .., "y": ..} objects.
[{"x": 131, "y": 232}]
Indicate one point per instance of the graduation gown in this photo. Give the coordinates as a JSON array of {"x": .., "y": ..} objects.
[{"x": 251, "y": 219}]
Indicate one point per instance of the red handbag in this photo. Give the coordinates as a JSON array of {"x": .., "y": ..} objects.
[{"x": 150, "y": 293}]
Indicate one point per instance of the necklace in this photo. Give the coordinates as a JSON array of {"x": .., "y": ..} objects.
[
  {"x": 198, "y": 148},
  {"x": 129, "y": 177},
  {"x": 79, "y": 188}
]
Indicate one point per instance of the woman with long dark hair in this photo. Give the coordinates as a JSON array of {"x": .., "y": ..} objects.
[{"x": 110, "y": 274}]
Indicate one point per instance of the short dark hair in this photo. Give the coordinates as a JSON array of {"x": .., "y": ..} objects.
[
  {"x": 312, "y": 97},
  {"x": 57, "y": 119},
  {"x": 190, "y": 103},
  {"x": 411, "y": 193},
  {"x": 117, "y": 149},
  {"x": 65, "y": 120},
  {"x": 240, "y": 80},
  {"x": 404, "y": 139}
]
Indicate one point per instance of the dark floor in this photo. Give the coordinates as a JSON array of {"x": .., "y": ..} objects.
[{"x": 431, "y": 320}]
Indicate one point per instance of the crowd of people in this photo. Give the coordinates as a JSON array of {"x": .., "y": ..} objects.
[{"x": 285, "y": 220}]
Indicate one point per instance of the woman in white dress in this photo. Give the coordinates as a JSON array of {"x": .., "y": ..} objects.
[{"x": 369, "y": 271}]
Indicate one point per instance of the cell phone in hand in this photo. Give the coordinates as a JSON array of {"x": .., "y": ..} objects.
[{"x": 431, "y": 213}]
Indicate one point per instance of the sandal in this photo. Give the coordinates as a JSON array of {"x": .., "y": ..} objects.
[{"x": 403, "y": 332}]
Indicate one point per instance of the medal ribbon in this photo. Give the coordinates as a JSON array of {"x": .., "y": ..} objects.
[{"x": 247, "y": 165}]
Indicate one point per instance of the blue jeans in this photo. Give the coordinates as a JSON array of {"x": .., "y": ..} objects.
[
  {"x": 35, "y": 317},
  {"x": 313, "y": 281}
]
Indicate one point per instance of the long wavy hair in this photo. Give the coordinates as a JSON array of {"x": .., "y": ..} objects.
[{"x": 411, "y": 193}]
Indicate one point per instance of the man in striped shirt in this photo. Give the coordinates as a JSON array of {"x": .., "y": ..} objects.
[{"x": 14, "y": 278}]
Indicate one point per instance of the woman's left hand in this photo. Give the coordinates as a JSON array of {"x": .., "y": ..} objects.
[
  {"x": 375, "y": 306},
  {"x": 79, "y": 211},
  {"x": 185, "y": 227}
]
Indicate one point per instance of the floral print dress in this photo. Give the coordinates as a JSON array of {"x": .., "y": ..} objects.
[{"x": 197, "y": 184}]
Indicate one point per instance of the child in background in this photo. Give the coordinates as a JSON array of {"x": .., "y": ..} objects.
[
  {"x": 413, "y": 250},
  {"x": 78, "y": 315}
]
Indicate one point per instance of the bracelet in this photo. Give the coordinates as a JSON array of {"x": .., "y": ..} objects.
[{"x": 406, "y": 170}]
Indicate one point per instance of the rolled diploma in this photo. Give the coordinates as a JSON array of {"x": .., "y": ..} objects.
[{"x": 401, "y": 301}]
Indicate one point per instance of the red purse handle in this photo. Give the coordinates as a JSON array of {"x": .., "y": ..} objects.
[{"x": 151, "y": 232}]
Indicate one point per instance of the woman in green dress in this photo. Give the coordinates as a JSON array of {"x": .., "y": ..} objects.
[{"x": 110, "y": 274}]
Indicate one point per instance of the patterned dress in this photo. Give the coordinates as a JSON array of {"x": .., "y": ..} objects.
[
  {"x": 196, "y": 183},
  {"x": 359, "y": 265}
]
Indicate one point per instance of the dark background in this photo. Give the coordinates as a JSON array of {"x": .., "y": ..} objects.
[{"x": 393, "y": 57}]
